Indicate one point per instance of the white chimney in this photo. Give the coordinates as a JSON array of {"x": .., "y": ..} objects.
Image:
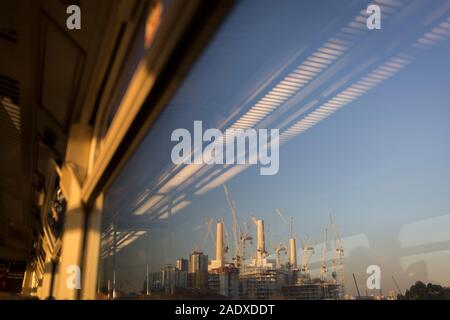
[
  {"x": 219, "y": 244},
  {"x": 261, "y": 248},
  {"x": 292, "y": 253}
]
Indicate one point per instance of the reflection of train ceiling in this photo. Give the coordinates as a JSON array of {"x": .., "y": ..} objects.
[{"x": 311, "y": 86}]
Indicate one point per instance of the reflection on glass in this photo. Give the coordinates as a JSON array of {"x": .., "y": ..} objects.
[{"x": 363, "y": 119}]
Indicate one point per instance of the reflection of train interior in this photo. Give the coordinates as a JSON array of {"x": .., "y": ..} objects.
[{"x": 354, "y": 176}]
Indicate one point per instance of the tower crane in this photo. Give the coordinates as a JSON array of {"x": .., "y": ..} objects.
[
  {"x": 338, "y": 255},
  {"x": 278, "y": 211},
  {"x": 235, "y": 226},
  {"x": 396, "y": 285},
  {"x": 356, "y": 285},
  {"x": 209, "y": 224},
  {"x": 308, "y": 251},
  {"x": 292, "y": 240},
  {"x": 280, "y": 248},
  {"x": 323, "y": 262},
  {"x": 245, "y": 236},
  {"x": 225, "y": 236}
]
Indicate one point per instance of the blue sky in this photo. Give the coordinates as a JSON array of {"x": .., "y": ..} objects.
[{"x": 377, "y": 164}]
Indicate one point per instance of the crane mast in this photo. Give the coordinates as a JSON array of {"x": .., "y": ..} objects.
[
  {"x": 225, "y": 237},
  {"x": 356, "y": 285},
  {"x": 397, "y": 286},
  {"x": 323, "y": 263},
  {"x": 278, "y": 249},
  {"x": 338, "y": 255},
  {"x": 208, "y": 223},
  {"x": 292, "y": 240},
  {"x": 308, "y": 251},
  {"x": 235, "y": 228},
  {"x": 245, "y": 237}
]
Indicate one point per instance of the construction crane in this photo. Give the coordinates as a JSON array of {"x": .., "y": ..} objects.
[
  {"x": 396, "y": 285},
  {"x": 292, "y": 241},
  {"x": 323, "y": 262},
  {"x": 356, "y": 285},
  {"x": 308, "y": 251},
  {"x": 235, "y": 226},
  {"x": 225, "y": 236},
  {"x": 288, "y": 223},
  {"x": 259, "y": 251},
  {"x": 281, "y": 247},
  {"x": 244, "y": 237},
  {"x": 209, "y": 224},
  {"x": 338, "y": 261},
  {"x": 278, "y": 211}
]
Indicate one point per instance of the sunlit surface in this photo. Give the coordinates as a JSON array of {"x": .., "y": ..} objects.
[{"x": 364, "y": 161}]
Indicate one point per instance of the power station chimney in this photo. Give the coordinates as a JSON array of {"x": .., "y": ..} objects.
[
  {"x": 219, "y": 244},
  {"x": 261, "y": 248},
  {"x": 292, "y": 253}
]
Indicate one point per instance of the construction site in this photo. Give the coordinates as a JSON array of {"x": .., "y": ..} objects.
[{"x": 260, "y": 274}]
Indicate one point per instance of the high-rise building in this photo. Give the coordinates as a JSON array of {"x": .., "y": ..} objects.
[
  {"x": 167, "y": 279},
  {"x": 182, "y": 264},
  {"x": 198, "y": 262},
  {"x": 198, "y": 265}
]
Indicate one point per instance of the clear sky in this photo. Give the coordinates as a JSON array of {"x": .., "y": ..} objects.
[{"x": 380, "y": 164}]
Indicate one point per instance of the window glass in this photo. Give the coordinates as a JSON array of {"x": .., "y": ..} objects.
[
  {"x": 146, "y": 32},
  {"x": 362, "y": 182}
]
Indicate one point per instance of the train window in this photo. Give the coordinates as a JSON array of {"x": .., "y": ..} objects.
[{"x": 362, "y": 183}]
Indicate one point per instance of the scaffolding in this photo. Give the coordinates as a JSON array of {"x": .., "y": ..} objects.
[
  {"x": 261, "y": 283},
  {"x": 311, "y": 291}
]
